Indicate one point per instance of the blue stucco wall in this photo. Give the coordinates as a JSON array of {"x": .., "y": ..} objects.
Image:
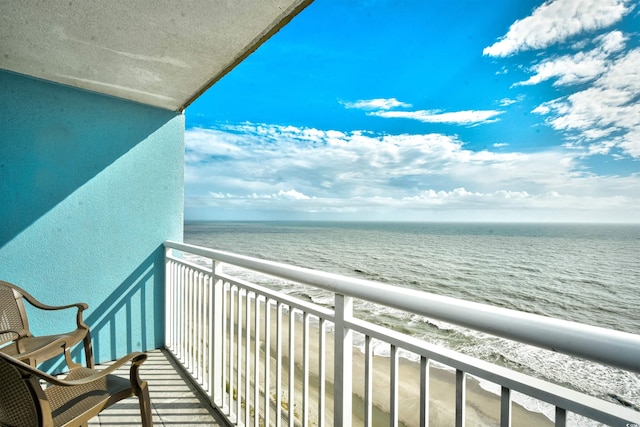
[{"x": 90, "y": 187}]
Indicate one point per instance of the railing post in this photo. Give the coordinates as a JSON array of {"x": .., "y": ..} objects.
[
  {"x": 343, "y": 354},
  {"x": 217, "y": 337},
  {"x": 168, "y": 298}
]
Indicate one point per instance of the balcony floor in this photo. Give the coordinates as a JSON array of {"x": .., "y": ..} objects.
[{"x": 174, "y": 400}]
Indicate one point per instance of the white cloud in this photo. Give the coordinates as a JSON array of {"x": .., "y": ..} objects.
[
  {"x": 555, "y": 21},
  {"x": 505, "y": 199},
  {"x": 360, "y": 174},
  {"x": 383, "y": 107},
  {"x": 288, "y": 195},
  {"x": 580, "y": 67},
  {"x": 293, "y": 194},
  {"x": 605, "y": 115},
  {"x": 505, "y": 102},
  {"x": 376, "y": 104},
  {"x": 434, "y": 116}
]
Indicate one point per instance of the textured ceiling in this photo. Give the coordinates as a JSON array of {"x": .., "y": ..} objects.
[{"x": 161, "y": 53}]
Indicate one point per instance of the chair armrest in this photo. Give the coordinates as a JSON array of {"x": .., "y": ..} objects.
[
  {"x": 136, "y": 358},
  {"x": 59, "y": 343},
  {"x": 81, "y": 306}
]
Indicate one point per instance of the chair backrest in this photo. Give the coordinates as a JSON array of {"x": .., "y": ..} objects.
[
  {"x": 21, "y": 396},
  {"x": 13, "y": 315}
]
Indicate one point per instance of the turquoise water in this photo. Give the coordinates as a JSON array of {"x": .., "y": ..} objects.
[{"x": 584, "y": 273}]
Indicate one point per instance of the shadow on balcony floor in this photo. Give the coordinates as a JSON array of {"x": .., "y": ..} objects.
[{"x": 174, "y": 400}]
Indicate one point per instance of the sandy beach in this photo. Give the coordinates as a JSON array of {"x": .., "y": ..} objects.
[{"x": 482, "y": 407}]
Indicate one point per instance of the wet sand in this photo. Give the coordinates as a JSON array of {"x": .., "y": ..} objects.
[{"x": 482, "y": 407}]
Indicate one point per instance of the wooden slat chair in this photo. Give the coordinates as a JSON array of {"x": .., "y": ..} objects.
[
  {"x": 16, "y": 338},
  {"x": 68, "y": 402}
]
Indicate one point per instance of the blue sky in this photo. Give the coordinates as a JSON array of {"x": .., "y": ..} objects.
[{"x": 427, "y": 111}]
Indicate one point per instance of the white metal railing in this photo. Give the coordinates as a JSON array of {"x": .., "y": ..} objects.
[{"x": 266, "y": 358}]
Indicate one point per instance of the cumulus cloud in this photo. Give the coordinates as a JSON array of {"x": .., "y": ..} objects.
[
  {"x": 505, "y": 199},
  {"x": 386, "y": 108},
  {"x": 599, "y": 112},
  {"x": 605, "y": 115},
  {"x": 376, "y": 104},
  {"x": 505, "y": 102},
  {"x": 468, "y": 117},
  {"x": 556, "y": 21},
  {"x": 313, "y": 171},
  {"x": 288, "y": 195},
  {"x": 581, "y": 67}
]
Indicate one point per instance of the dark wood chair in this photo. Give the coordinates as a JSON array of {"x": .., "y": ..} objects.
[
  {"x": 30, "y": 397},
  {"x": 16, "y": 338}
]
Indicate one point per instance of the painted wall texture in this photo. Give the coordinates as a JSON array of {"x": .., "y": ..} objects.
[{"x": 90, "y": 187}]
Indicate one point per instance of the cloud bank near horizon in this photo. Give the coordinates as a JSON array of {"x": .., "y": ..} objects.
[{"x": 271, "y": 168}]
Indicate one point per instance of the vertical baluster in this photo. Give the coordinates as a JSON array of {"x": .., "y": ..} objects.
[
  {"x": 213, "y": 351},
  {"x": 195, "y": 278},
  {"x": 256, "y": 364},
  {"x": 168, "y": 290},
  {"x": 321, "y": 371},
  {"x": 175, "y": 300},
  {"x": 185, "y": 317},
  {"x": 393, "y": 398},
  {"x": 368, "y": 382},
  {"x": 460, "y": 397},
  {"x": 169, "y": 301},
  {"x": 239, "y": 359},
  {"x": 203, "y": 302},
  {"x": 189, "y": 320},
  {"x": 193, "y": 321},
  {"x": 424, "y": 391},
  {"x": 178, "y": 314},
  {"x": 232, "y": 321},
  {"x": 186, "y": 312},
  {"x": 196, "y": 325},
  {"x": 181, "y": 326},
  {"x": 279, "y": 364},
  {"x": 561, "y": 417},
  {"x": 247, "y": 358},
  {"x": 217, "y": 334},
  {"x": 267, "y": 361},
  {"x": 505, "y": 407},
  {"x": 222, "y": 298},
  {"x": 292, "y": 359},
  {"x": 305, "y": 368},
  {"x": 207, "y": 324},
  {"x": 343, "y": 354},
  {"x": 200, "y": 328},
  {"x": 172, "y": 296},
  {"x": 209, "y": 360},
  {"x": 177, "y": 304}
]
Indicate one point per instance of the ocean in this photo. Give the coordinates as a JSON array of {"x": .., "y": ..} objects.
[{"x": 580, "y": 272}]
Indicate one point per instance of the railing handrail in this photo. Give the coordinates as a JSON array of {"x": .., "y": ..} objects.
[{"x": 607, "y": 346}]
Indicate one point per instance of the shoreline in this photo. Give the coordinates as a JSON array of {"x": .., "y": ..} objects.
[{"x": 482, "y": 406}]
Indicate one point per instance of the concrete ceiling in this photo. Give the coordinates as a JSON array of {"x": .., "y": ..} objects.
[{"x": 158, "y": 52}]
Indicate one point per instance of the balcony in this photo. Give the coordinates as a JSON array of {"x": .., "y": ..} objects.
[{"x": 265, "y": 358}]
